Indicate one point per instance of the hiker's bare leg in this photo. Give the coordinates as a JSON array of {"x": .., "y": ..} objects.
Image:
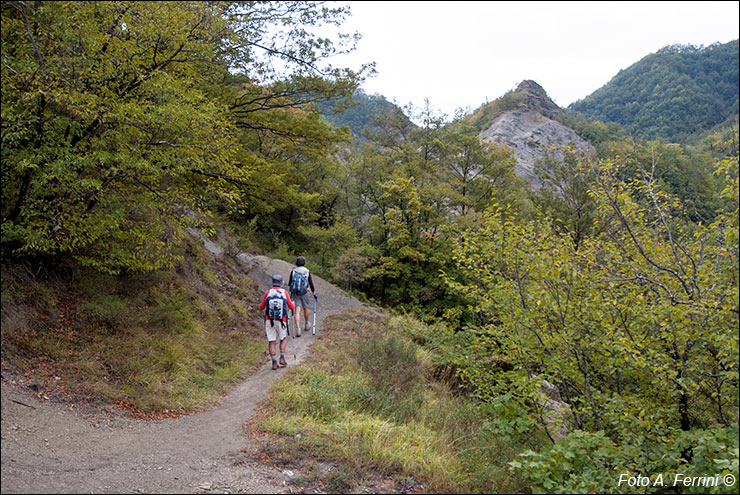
[
  {"x": 271, "y": 348},
  {"x": 298, "y": 318},
  {"x": 283, "y": 345}
]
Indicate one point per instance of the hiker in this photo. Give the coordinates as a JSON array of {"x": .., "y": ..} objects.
[
  {"x": 300, "y": 281},
  {"x": 276, "y": 303}
]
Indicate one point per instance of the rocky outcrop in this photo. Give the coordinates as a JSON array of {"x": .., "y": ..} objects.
[
  {"x": 554, "y": 413},
  {"x": 532, "y": 133}
]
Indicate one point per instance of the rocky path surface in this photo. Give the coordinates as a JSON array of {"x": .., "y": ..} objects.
[{"x": 48, "y": 448}]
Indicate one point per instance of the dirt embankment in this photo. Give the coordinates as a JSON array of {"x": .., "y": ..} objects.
[{"x": 49, "y": 447}]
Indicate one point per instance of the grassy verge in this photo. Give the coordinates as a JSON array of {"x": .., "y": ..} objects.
[
  {"x": 156, "y": 345},
  {"x": 370, "y": 400}
]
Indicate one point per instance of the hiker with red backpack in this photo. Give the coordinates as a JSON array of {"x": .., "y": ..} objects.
[
  {"x": 300, "y": 281},
  {"x": 275, "y": 303}
]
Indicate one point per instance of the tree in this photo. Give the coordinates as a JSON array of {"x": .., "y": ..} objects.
[
  {"x": 682, "y": 171},
  {"x": 122, "y": 121},
  {"x": 474, "y": 170},
  {"x": 565, "y": 195},
  {"x": 637, "y": 328},
  {"x": 409, "y": 191}
]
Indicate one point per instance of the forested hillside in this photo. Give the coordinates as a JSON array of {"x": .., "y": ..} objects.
[
  {"x": 360, "y": 113},
  {"x": 585, "y": 329},
  {"x": 672, "y": 94}
]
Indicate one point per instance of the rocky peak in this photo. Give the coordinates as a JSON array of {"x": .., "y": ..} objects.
[
  {"x": 532, "y": 133},
  {"x": 535, "y": 98}
]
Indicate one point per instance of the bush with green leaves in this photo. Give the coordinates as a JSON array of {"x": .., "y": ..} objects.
[
  {"x": 637, "y": 327},
  {"x": 586, "y": 462}
]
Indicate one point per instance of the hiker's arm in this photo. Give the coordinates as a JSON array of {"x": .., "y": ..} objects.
[
  {"x": 291, "y": 304},
  {"x": 263, "y": 304},
  {"x": 310, "y": 282}
]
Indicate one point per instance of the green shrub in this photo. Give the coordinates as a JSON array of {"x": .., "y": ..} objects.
[
  {"x": 395, "y": 374},
  {"x": 585, "y": 462}
]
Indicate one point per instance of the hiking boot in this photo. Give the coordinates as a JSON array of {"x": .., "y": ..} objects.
[
  {"x": 274, "y": 364},
  {"x": 298, "y": 332},
  {"x": 307, "y": 327},
  {"x": 283, "y": 362}
]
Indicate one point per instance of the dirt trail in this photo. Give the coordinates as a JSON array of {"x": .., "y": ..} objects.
[{"x": 47, "y": 448}]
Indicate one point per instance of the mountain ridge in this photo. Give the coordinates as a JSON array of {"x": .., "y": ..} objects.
[{"x": 675, "y": 93}]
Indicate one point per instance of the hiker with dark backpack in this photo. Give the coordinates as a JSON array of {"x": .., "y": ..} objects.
[
  {"x": 275, "y": 303},
  {"x": 300, "y": 281}
]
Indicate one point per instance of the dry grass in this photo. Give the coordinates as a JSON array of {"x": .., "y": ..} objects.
[
  {"x": 155, "y": 345},
  {"x": 367, "y": 402}
]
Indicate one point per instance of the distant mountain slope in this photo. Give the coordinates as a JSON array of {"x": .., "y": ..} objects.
[
  {"x": 671, "y": 94},
  {"x": 524, "y": 120},
  {"x": 359, "y": 116}
]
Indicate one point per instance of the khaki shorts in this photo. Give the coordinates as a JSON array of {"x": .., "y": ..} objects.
[{"x": 277, "y": 331}]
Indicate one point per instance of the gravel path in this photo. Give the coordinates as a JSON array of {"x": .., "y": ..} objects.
[{"x": 48, "y": 448}]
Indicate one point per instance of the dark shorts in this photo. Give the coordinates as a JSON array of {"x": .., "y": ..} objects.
[{"x": 304, "y": 301}]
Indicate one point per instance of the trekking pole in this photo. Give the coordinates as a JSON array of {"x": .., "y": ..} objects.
[
  {"x": 292, "y": 337},
  {"x": 313, "y": 329}
]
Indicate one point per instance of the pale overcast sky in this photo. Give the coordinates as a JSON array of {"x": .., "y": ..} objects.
[{"x": 461, "y": 54}]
